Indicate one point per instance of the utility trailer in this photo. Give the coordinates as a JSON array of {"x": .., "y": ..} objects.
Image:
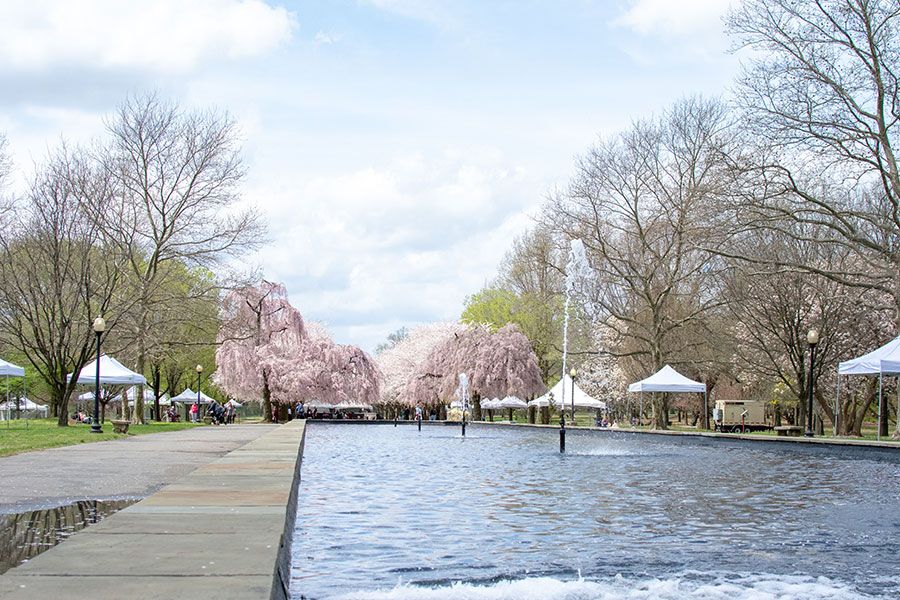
[{"x": 737, "y": 416}]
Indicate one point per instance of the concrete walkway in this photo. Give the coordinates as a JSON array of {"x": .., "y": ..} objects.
[
  {"x": 223, "y": 531},
  {"x": 125, "y": 468}
]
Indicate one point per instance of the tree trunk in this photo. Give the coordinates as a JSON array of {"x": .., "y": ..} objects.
[
  {"x": 476, "y": 407},
  {"x": 138, "y": 416},
  {"x": 156, "y": 379},
  {"x": 267, "y": 399},
  {"x": 660, "y": 406},
  {"x": 59, "y": 401}
]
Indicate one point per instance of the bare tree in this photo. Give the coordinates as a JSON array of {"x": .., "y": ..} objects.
[
  {"x": 177, "y": 173},
  {"x": 5, "y": 161},
  {"x": 643, "y": 204},
  {"x": 822, "y": 92},
  {"x": 775, "y": 307},
  {"x": 56, "y": 275}
]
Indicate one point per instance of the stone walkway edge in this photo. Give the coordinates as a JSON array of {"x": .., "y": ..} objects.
[
  {"x": 746, "y": 437},
  {"x": 223, "y": 531}
]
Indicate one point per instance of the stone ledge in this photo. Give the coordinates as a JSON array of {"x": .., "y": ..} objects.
[{"x": 222, "y": 531}]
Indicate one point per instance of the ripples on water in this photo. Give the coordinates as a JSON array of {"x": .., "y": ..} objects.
[{"x": 392, "y": 513}]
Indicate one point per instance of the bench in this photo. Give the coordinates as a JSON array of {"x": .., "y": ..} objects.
[
  {"x": 789, "y": 430},
  {"x": 120, "y": 425}
]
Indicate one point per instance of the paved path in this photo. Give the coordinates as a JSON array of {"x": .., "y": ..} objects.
[
  {"x": 222, "y": 531},
  {"x": 131, "y": 467}
]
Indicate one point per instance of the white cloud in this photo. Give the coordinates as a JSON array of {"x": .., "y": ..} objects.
[
  {"x": 323, "y": 38},
  {"x": 673, "y": 18},
  {"x": 410, "y": 238},
  {"x": 162, "y": 35},
  {"x": 435, "y": 12}
]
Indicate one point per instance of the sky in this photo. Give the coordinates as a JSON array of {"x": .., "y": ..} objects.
[{"x": 395, "y": 147}]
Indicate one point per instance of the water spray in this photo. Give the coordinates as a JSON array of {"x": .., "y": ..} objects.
[{"x": 463, "y": 391}]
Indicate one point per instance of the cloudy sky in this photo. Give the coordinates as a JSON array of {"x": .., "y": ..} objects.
[{"x": 395, "y": 146}]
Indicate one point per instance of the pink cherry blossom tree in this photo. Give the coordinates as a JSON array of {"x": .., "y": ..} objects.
[
  {"x": 328, "y": 372},
  {"x": 498, "y": 364},
  {"x": 268, "y": 353},
  {"x": 260, "y": 334},
  {"x": 399, "y": 362}
]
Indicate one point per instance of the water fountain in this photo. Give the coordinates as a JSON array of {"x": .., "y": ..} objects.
[
  {"x": 577, "y": 269},
  {"x": 463, "y": 391}
]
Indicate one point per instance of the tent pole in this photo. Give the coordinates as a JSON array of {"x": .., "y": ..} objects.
[
  {"x": 880, "y": 403},
  {"x": 641, "y": 411}
]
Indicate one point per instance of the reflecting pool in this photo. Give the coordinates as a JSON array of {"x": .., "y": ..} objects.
[{"x": 393, "y": 513}]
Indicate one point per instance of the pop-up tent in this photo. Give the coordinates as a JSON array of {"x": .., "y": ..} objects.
[
  {"x": 8, "y": 369},
  {"x": 149, "y": 396},
  {"x": 112, "y": 372},
  {"x": 668, "y": 379},
  {"x": 189, "y": 396},
  {"x": 24, "y": 406},
  {"x": 555, "y": 396},
  {"x": 881, "y": 361},
  {"x": 511, "y": 403}
]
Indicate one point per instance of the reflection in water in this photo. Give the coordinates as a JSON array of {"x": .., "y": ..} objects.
[
  {"x": 386, "y": 512},
  {"x": 27, "y": 534}
]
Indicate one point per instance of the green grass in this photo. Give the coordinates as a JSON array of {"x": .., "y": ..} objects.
[{"x": 37, "y": 434}]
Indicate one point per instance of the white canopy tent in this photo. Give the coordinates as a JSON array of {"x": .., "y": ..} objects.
[
  {"x": 8, "y": 369},
  {"x": 353, "y": 405},
  {"x": 491, "y": 404},
  {"x": 511, "y": 403},
  {"x": 668, "y": 379},
  {"x": 112, "y": 372},
  {"x": 24, "y": 406},
  {"x": 234, "y": 403},
  {"x": 555, "y": 397},
  {"x": 149, "y": 397},
  {"x": 189, "y": 396},
  {"x": 881, "y": 361},
  {"x": 318, "y": 404}
]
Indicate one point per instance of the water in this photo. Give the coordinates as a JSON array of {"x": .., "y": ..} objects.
[
  {"x": 25, "y": 535},
  {"x": 392, "y": 513}
]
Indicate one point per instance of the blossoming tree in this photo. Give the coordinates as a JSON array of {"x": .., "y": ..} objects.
[
  {"x": 268, "y": 353},
  {"x": 498, "y": 364}
]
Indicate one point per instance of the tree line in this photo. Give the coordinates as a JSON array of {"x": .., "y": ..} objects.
[
  {"x": 140, "y": 227},
  {"x": 723, "y": 229}
]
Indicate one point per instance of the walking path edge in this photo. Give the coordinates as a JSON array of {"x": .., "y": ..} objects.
[{"x": 223, "y": 531}]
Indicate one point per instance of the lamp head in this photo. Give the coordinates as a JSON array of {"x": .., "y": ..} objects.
[
  {"x": 573, "y": 373},
  {"x": 99, "y": 325},
  {"x": 199, "y": 369},
  {"x": 812, "y": 337}
]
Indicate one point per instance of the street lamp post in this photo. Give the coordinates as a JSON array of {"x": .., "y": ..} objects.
[
  {"x": 99, "y": 328},
  {"x": 813, "y": 339},
  {"x": 199, "y": 373}
]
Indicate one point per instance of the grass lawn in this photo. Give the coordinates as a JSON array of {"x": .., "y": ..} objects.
[{"x": 36, "y": 434}]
